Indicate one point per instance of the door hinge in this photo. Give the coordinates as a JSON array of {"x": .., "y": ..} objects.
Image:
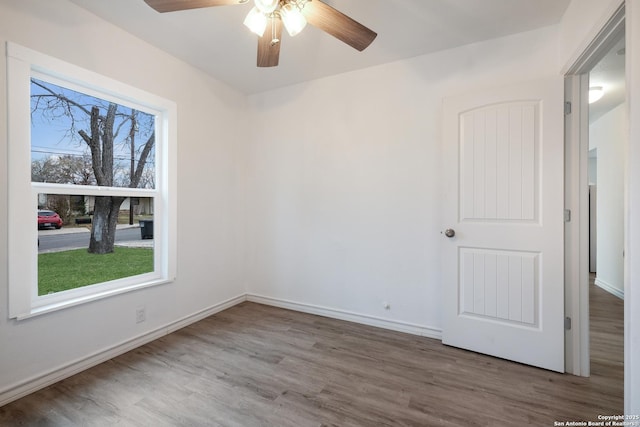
[
  {"x": 567, "y": 108},
  {"x": 567, "y": 215},
  {"x": 567, "y": 323}
]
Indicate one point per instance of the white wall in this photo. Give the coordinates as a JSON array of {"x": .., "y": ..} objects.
[
  {"x": 593, "y": 208},
  {"x": 210, "y": 133},
  {"x": 345, "y": 192},
  {"x": 593, "y": 167},
  {"x": 609, "y": 135},
  {"x": 343, "y": 205}
]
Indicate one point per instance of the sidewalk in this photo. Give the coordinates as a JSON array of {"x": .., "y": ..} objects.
[
  {"x": 81, "y": 229},
  {"x": 147, "y": 243}
]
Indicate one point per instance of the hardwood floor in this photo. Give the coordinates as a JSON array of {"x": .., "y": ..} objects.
[
  {"x": 606, "y": 315},
  {"x": 254, "y": 365}
]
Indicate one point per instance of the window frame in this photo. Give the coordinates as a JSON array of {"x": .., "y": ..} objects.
[{"x": 22, "y": 64}]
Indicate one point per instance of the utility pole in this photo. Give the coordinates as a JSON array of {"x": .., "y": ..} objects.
[{"x": 132, "y": 145}]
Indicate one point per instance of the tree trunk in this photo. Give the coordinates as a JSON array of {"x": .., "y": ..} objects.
[
  {"x": 105, "y": 219},
  {"x": 101, "y": 140}
]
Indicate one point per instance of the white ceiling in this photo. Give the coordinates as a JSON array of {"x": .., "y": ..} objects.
[
  {"x": 214, "y": 39},
  {"x": 609, "y": 73}
]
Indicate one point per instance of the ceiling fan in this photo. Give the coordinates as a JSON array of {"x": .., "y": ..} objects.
[{"x": 267, "y": 18}]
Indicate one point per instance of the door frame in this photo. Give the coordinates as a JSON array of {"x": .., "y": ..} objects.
[
  {"x": 632, "y": 210},
  {"x": 577, "y": 354}
]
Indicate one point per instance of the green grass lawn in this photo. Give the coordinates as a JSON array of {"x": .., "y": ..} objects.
[{"x": 60, "y": 271}]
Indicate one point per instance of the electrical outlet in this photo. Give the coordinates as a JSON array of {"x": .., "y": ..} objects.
[{"x": 141, "y": 315}]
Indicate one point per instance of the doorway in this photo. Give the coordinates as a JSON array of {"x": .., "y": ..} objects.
[
  {"x": 607, "y": 144},
  {"x": 596, "y": 135}
]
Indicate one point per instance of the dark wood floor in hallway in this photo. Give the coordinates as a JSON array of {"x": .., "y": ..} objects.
[{"x": 254, "y": 365}]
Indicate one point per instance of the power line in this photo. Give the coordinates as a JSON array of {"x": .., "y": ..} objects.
[{"x": 77, "y": 154}]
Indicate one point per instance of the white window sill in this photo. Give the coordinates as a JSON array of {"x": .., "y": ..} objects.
[{"x": 94, "y": 296}]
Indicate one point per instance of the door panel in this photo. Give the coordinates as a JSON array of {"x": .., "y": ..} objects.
[
  {"x": 504, "y": 289},
  {"x": 499, "y": 285},
  {"x": 498, "y": 158}
]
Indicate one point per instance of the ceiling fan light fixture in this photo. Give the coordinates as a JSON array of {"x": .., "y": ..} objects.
[
  {"x": 595, "y": 93},
  {"x": 292, "y": 19},
  {"x": 287, "y": 13},
  {"x": 266, "y": 6},
  {"x": 256, "y": 21}
]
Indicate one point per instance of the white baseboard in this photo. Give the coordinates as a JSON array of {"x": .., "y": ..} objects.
[
  {"x": 394, "y": 325},
  {"x": 16, "y": 391},
  {"x": 609, "y": 288},
  {"x": 31, "y": 385}
]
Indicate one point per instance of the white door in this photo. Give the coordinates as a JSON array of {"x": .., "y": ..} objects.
[{"x": 503, "y": 268}]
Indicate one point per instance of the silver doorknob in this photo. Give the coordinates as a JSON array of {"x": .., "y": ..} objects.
[{"x": 449, "y": 232}]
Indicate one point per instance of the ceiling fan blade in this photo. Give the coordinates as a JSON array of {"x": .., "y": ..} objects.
[
  {"x": 269, "y": 44},
  {"x": 175, "y": 5},
  {"x": 338, "y": 24}
]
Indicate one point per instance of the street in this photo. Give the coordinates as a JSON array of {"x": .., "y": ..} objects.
[{"x": 51, "y": 240}]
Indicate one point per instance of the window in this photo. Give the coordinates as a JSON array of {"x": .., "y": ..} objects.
[{"x": 85, "y": 152}]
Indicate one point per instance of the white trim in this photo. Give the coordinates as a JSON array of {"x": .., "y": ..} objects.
[
  {"x": 598, "y": 42},
  {"x": 577, "y": 231},
  {"x": 62, "y": 300},
  {"x": 23, "y": 388},
  {"x": 609, "y": 288},
  {"x": 587, "y": 44},
  {"x": 632, "y": 216},
  {"x": 84, "y": 79},
  {"x": 24, "y": 301},
  {"x": 349, "y": 316},
  {"x": 82, "y": 190},
  {"x": 38, "y": 382}
]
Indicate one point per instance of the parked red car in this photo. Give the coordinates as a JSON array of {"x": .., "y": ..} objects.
[{"x": 49, "y": 219}]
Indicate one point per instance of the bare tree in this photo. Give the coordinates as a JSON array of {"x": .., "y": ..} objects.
[
  {"x": 98, "y": 124},
  {"x": 65, "y": 169}
]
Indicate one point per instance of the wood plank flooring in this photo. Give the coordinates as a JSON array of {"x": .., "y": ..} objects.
[
  {"x": 254, "y": 365},
  {"x": 606, "y": 315}
]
